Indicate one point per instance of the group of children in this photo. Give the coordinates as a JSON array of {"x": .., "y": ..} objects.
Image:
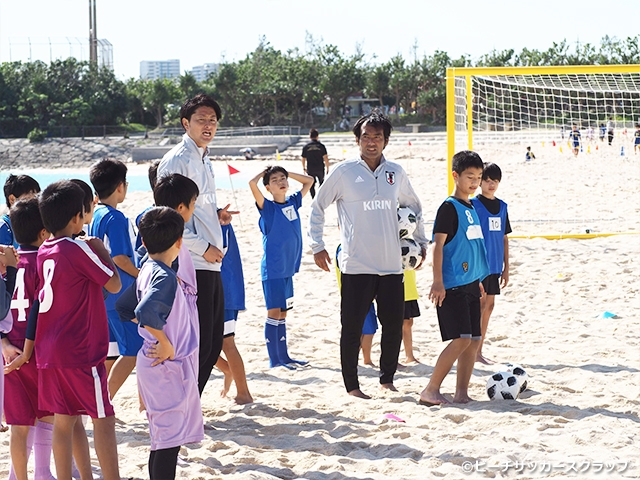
[{"x": 73, "y": 290}]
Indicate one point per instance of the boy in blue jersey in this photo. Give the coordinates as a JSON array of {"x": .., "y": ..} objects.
[
  {"x": 459, "y": 265},
  {"x": 282, "y": 242},
  {"x": 109, "y": 179},
  {"x": 636, "y": 139},
  {"x": 529, "y": 155},
  {"x": 234, "y": 301},
  {"x": 153, "y": 179},
  {"x": 15, "y": 187},
  {"x": 494, "y": 220},
  {"x": 575, "y": 139}
]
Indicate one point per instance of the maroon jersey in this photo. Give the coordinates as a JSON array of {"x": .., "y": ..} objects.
[
  {"x": 72, "y": 329},
  {"x": 27, "y": 286}
]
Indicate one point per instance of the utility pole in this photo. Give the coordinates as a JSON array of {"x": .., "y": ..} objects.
[{"x": 93, "y": 35}]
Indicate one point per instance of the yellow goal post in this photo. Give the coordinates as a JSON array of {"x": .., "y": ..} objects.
[{"x": 517, "y": 104}]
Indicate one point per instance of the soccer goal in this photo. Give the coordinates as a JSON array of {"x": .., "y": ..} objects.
[{"x": 529, "y": 104}]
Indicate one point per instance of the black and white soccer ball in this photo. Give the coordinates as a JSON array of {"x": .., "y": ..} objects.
[
  {"x": 411, "y": 253},
  {"x": 503, "y": 386},
  {"x": 406, "y": 221},
  {"x": 520, "y": 374}
]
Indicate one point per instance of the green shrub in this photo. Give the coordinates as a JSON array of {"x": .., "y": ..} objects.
[{"x": 36, "y": 135}]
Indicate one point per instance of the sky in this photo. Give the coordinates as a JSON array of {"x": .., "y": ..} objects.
[{"x": 213, "y": 31}]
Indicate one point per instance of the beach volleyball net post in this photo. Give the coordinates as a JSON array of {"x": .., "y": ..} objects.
[{"x": 537, "y": 104}]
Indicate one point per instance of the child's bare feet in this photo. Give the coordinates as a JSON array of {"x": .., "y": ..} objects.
[
  {"x": 3, "y": 427},
  {"x": 388, "y": 386},
  {"x": 432, "y": 398},
  {"x": 228, "y": 379},
  {"x": 411, "y": 360},
  {"x": 484, "y": 360},
  {"x": 243, "y": 399},
  {"x": 462, "y": 398},
  {"x": 369, "y": 363}
]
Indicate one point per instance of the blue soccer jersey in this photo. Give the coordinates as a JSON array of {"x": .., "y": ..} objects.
[
  {"x": 282, "y": 237},
  {"x": 6, "y": 233},
  {"x": 231, "y": 271},
  {"x": 118, "y": 235}
]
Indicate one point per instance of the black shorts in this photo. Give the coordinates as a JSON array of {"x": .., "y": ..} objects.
[
  {"x": 459, "y": 315},
  {"x": 411, "y": 309},
  {"x": 491, "y": 284}
]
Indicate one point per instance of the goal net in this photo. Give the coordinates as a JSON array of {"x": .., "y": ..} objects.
[
  {"x": 493, "y": 109},
  {"x": 522, "y": 104}
]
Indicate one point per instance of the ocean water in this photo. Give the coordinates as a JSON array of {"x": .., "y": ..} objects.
[{"x": 137, "y": 183}]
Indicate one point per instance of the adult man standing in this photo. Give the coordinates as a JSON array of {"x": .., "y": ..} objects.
[
  {"x": 368, "y": 191},
  {"x": 315, "y": 160},
  {"x": 202, "y": 234}
]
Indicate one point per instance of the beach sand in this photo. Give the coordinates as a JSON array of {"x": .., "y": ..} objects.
[{"x": 579, "y": 417}]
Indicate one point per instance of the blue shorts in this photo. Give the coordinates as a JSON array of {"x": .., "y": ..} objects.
[
  {"x": 278, "y": 293},
  {"x": 125, "y": 333},
  {"x": 230, "y": 320},
  {"x": 370, "y": 322}
]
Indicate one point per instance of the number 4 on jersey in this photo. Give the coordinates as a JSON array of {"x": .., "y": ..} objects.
[{"x": 20, "y": 302}]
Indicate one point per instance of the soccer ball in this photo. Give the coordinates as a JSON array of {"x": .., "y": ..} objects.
[
  {"x": 411, "y": 253},
  {"x": 503, "y": 386},
  {"x": 406, "y": 221},
  {"x": 520, "y": 374}
]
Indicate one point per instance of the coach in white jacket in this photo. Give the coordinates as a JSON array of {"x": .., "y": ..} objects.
[
  {"x": 202, "y": 234},
  {"x": 368, "y": 191}
]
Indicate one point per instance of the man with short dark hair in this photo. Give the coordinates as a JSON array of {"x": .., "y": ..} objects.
[
  {"x": 367, "y": 191},
  {"x": 202, "y": 234},
  {"x": 315, "y": 160}
]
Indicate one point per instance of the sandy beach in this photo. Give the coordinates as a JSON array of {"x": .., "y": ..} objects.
[{"x": 579, "y": 417}]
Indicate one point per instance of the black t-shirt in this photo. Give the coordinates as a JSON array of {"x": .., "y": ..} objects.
[
  {"x": 493, "y": 205},
  {"x": 447, "y": 219},
  {"x": 314, "y": 152}
]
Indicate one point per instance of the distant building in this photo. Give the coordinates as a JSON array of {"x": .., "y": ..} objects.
[
  {"x": 201, "y": 72},
  {"x": 152, "y": 70}
]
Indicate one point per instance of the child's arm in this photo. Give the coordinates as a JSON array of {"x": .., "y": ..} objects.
[
  {"x": 326, "y": 161},
  {"x": 126, "y": 265},
  {"x": 305, "y": 180},
  {"x": 504, "y": 278},
  {"x": 161, "y": 351},
  {"x": 20, "y": 356},
  {"x": 25, "y": 355},
  {"x": 257, "y": 194},
  {"x": 114, "y": 284},
  {"x": 9, "y": 350},
  {"x": 437, "y": 292}
]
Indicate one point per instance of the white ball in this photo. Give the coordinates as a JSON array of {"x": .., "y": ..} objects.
[
  {"x": 406, "y": 221},
  {"x": 503, "y": 386},
  {"x": 411, "y": 253},
  {"x": 520, "y": 374}
]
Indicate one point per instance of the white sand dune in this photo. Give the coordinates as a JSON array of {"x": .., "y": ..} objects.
[{"x": 579, "y": 417}]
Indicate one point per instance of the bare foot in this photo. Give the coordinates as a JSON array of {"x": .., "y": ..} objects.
[
  {"x": 401, "y": 366},
  {"x": 462, "y": 398},
  {"x": 388, "y": 386},
  {"x": 228, "y": 378},
  {"x": 369, "y": 362},
  {"x": 359, "y": 394},
  {"x": 411, "y": 360},
  {"x": 3, "y": 428},
  {"x": 483, "y": 360},
  {"x": 432, "y": 398},
  {"x": 243, "y": 399}
]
